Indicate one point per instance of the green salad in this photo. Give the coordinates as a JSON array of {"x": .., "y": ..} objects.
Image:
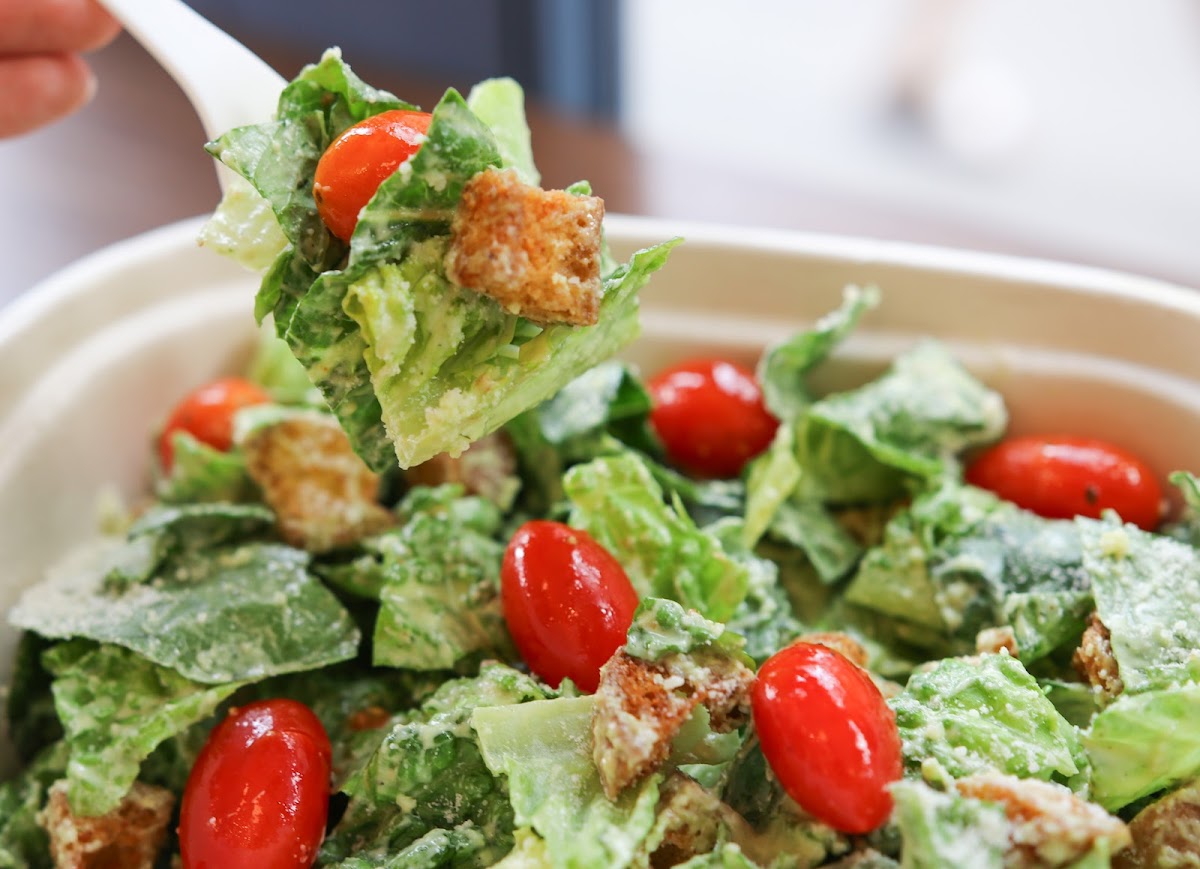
[{"x": 505, "y": 600}]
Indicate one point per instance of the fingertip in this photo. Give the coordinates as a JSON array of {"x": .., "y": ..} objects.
[{"x": 39, "y": 89}]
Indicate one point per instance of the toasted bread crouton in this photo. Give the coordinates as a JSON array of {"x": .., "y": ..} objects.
[
  {"x": 323, "y": 495},
  {"x": 993, "y": 641},
  {"x": 690, "y": 820},
  {"x": 1165, "y": 833},
  {"x": 130, "y": 836},
  {"x": 844, "y": 644},
  {"x": 1095, "y": 662},
  {"x": 641, "y": 705},
  {"x": 536, "y": 252},
  {"x": 487, "y": 468},
  {"x": 1049, "y": 825}
]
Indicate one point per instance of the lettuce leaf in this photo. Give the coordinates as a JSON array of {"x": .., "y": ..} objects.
[
  {"x": 544, "y": 750},
  {"x": 427, "y": 774},
  {"x": 226, "y": 615},
  {"x": 200, "y": 473},
  {"x": 618, "y": 502},
  {"x": 440, "y": 598},
  {"x": 867, "y": 444},
  {"x": 783, "y": 369},
  {"x": 116, "y": 708},
  {"x": 945, "y": 829},
  {"x": 23, "y": 842},
  {"x": 1147, "y": 592},
  {"x": 1144, "y": 743},
  {"x": 991, "y": 714},
  {"x": 959, "y": 559}
]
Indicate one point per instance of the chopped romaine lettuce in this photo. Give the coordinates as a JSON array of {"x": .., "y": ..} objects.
[
  {"x": 619, "y": 503},
  {"x": 224, "y": 615},
  {"x": 1147, "y": 592},
  {"x": 944, "y": 829},
  {"x": 970, "y": 716},
  {"x": 117, "y": 707},
  {"x": 544, "y": 749},
  {"x": 1144, "y": 743}
]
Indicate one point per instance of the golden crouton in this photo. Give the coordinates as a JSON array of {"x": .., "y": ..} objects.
[
  {"x": 641, "y": 706},
  {"x": 844, "y": 644},
  {"x": 1095, "y": 662},
  {"x": 992, "y": 641},
  {"x": 536, "y": 252},
  {"x": 1165, "y": 833},
  {"x": 130, "y": 836},
  {"x": 323, "y": 495},
  {"x": 1049, "y": 825}
]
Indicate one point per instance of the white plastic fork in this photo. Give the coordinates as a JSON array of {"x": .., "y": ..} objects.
[{"x": 228, "y": 84}]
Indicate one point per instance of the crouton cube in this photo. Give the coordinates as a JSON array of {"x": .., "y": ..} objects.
[{"x": 536, "y": 252}]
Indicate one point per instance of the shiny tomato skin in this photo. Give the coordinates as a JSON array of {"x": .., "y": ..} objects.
[
  {"x": 258, "y": 795},
  {"x": 710, "y": 416},
  {"x": 358, "y": 161},
  {"x": 829, "y": 736},
  {"x": 567, "y": 601},
  {"x": 207, "y": 414},
  {"x": 1060, "y": 476}
]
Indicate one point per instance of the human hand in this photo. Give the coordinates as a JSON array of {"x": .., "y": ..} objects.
[{"x": 42, "y": 76}]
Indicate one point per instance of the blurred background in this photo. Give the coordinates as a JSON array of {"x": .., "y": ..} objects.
[{"x": 1066, "y": 130}]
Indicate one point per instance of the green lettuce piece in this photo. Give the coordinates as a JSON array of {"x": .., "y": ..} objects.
[
  {"x": 1045, "y": 621},
  {"x": 276, "y": 370},
  {"x": 906, "y": 426},
  {"x": 782, "y": 370},
  {"x": 500, "y": 103},
  {"x": 226, "y": 615},
  {"x": 427, "y": 773},
  {"x": 200, "y": 473},
  {"x": 463, "y": 845},
  {"x": 951, "y": 563},
  {"x": 991, "y": 714},
  {"x": 1075, "y": 701},
  {"x": 816, "y": 532},
  {"x": 164, "y": 531},
  {"x": 770, "y": 481},
  {"x": 23, "y": 842},
  {"x": 244, "y": 228},
  {"x": 279, "y": 157},
  {"x": 440, "y": 600},
  {"x": 1186, "y": 526},
  {"x": 664, "y": 627},
  {"x": 619, "y": 503},
  {"x": 483, "y": 378},
  {"x": 945, "y": 829},
  {"x": 1147, "y": 592},
  {"x": 1144, "y": 743},
  {"x": 116, "y": 708},
  {"x": 544, "y": 749}
]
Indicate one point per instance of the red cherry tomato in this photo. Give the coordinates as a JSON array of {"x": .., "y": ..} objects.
[
  {"x": 710, "y": 416},
  {"x": 829, "y": 736},
  {"x": 567, "y": 602},
  {"x": 207, "y": 414},
  {"x": 258, "y": 794},
  {"x": 1060, "y": 476},
  {"x": 357, "y": 162}
]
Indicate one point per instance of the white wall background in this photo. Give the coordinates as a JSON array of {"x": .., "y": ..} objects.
[{"x": 1070, "y": 127}]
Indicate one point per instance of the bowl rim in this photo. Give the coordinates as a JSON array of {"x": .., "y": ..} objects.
[{"x": 47, "y": 296}]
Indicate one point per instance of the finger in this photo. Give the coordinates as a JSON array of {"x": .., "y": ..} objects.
[
  {"x": 41, "y": 88},
  {"x": 53, "y": 26}
]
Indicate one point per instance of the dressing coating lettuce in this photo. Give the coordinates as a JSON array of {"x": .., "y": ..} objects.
[{"x": 412, "y": 365}]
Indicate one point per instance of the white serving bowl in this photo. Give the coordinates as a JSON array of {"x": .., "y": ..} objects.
[{"x": 91, "y": 360}]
